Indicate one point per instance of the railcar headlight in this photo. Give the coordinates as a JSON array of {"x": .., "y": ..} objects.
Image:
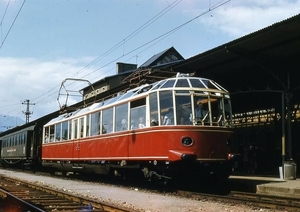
[{"x": 187, "y": 141}]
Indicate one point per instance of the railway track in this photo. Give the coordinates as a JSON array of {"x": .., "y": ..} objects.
[
  {"x": 47, "y": 199},
  {"x": 251, "y": 199}
]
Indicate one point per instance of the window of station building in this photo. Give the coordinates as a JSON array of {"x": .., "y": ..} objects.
[
  {"x": 166, "y": 107},
  {"x": 138, "y": 114},
  {"x": 121, "y": 122},
  {"x": 107, "y": 120},
  {"x": 64, "y": 130},
  {"x": 95, "y": 123},
  {"x": 183, "y": 108},
  {"x": 57, "y": 132},
  {"x": 154, "y": 120}
]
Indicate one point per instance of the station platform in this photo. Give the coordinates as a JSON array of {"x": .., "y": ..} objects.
[{"x": 274, "y": 186}]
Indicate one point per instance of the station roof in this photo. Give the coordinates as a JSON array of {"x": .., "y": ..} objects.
[{"x": 255, "y": 68}]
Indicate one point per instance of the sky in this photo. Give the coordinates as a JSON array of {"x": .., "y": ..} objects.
[{"x": 43, "y": 43}]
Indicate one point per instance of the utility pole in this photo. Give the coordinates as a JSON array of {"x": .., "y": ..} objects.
[{"x": 27, "y": 112}]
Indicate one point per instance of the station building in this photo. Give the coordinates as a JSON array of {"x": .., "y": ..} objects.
[{"x": 262, "y": 73}]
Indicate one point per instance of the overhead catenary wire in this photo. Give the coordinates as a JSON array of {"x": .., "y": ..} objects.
[
  {"x": 152, "y": 42},
  {"x": 116, "y": 46},
  {"x": 12, "y": 24},
  {"x": 159, "y": 38},
  {"x": 4, "y": 14},
  {"x": 162, "y": 36}
]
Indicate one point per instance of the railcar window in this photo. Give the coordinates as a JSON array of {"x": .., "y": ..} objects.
[
  {"x": 64, "y": 130},
  {"x": 70, "y": 129},
  {"x": 87, "y": 125},
  {"x": 95, "y": 123},
  {"x": 201, "y": 110},
  {"x": 75, "y": 128},
  {"x": 217, "y": 110},
  {"x": 51, "y": 133},
  {"x": 166, "y": 107},
  {"x": 156, "y": 86},
  {"x": 112, "y": 100},
  {"x": 209, "y": 84},
  {"x": 81, "y": 128},
  {"x": 168, "y": 84},
  {"x": 154, "y": 120},
  {"x": 57, "y": 132},
  {"x": 46, "y": 135},
  {"x": 138, "y": 114},
  {"x": 108, "y": 120},
  {"x": 121, "y": 122},
  {"x": 128, "y": 94},
  {"x": 182, "y": 83},
  {"x": 196, "y": 83},
  {"x": 228, "y": 113},
  {"x": 183, "y": 109},
  {"x": 137, "y": 117}
]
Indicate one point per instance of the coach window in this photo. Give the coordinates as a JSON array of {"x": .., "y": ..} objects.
[
  {"x": 64, "y": 130},
  {"x": 57, "y": 132},
  {"x": 154, "y": 120},
  {"x": 121, "y": 122},
  {"x": 166, "y": 107},
  {"x": 95, "y": 123},
  {"x": 23, "y": 138},
  {"x": 51, "y": 133},
  {"x": 107, "y": 120}
]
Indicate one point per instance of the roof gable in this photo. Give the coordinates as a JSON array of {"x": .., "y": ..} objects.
[{"x": 167, "y": 56}]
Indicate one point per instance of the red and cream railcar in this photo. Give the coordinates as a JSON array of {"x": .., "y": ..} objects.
[{"x": 180, "y": 126}]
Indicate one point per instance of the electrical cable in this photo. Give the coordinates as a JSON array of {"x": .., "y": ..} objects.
[{"x": 12, "y": 24}]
